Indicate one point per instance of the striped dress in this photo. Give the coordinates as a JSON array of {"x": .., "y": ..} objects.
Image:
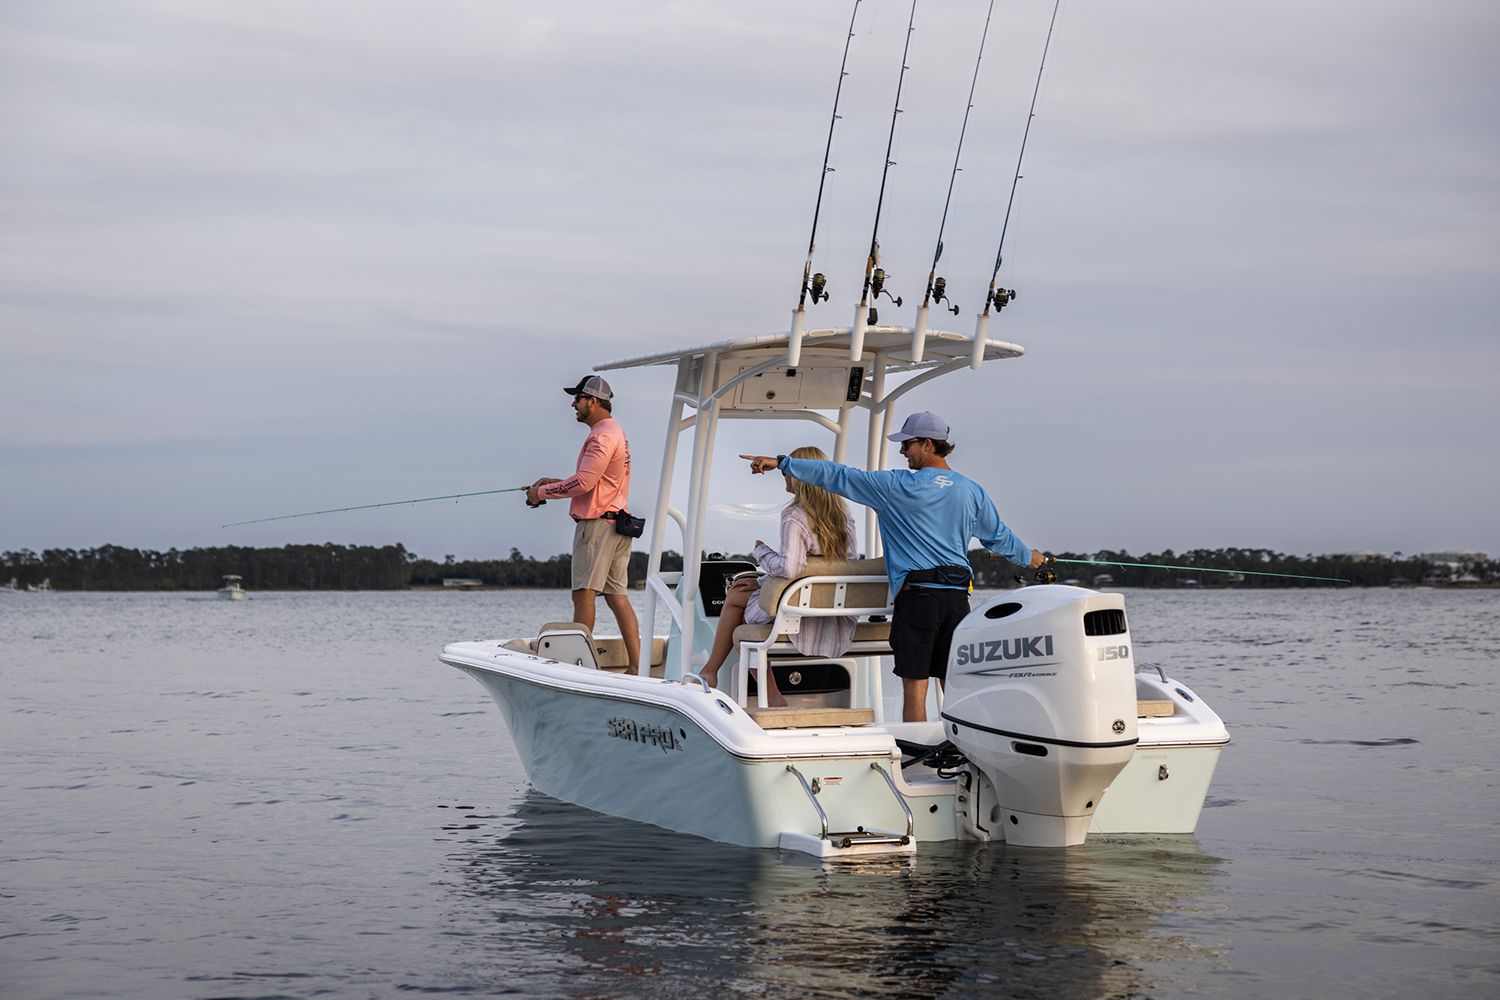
[{"x": 819, "y": 636}]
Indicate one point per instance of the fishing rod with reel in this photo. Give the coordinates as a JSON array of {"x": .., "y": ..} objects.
[
  {"x": 865, "y": 314},
  {"x": 1046, "y": 573},
  {"x": 937, "y": 287},
  {"x": 816, "y": 284},
  {"x": 996, "y": 296}
]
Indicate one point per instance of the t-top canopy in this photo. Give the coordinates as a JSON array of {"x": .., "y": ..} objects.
[{"x": 891, "y": 342}]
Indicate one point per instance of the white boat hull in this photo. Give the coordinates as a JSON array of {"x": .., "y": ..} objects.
[
  {"x": 231, "y": 595},
  {"x": 653, "y": 751},
  {"x": 692, "y": 761},
  {"x": 1163, "y": 787}
]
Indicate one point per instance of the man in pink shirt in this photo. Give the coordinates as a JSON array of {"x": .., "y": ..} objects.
[{"x": 597, "y": 490}]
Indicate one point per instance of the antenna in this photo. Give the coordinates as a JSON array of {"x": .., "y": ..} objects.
[
  {"x": 874, "y": 275},
  {"x": 937, "y": 288},
  {"x": 816, "y": 283},
  {"x": 1001, "y": 297}
]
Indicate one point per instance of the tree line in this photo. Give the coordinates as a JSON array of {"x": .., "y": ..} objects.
[{"x": 392, "y": 567}]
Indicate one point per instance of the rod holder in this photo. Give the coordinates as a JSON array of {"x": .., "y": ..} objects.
[{"x": 981, "y": 328}]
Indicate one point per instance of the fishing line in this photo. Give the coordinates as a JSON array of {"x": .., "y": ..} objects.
[
  {"x": 864, "y": 315},
  {"x": 1199, "y": 569},
  {"x": 371, "y": 506}
]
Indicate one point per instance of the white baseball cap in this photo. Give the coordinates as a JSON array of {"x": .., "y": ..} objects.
[
  {"x": 922, "y": 424},
  {"x": 590, "y": 385}
]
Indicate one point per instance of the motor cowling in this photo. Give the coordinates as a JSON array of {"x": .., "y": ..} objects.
[{"x": 1040, "y": 697}]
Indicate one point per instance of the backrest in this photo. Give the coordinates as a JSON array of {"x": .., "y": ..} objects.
[
  {"x": 568, "y": 642},
  {"x": 821, "y": 595}
]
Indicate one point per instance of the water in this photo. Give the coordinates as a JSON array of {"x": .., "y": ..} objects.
[{"x": 291, "y": 797}]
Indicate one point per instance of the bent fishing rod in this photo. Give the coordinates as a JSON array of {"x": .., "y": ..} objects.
[
  {"x": 864, "y": 313},
  {"x": 370, "y": 506},
  {"x": 996, "y": 296},
  {"x": 815, "y": 283},
  {"x": 937, "y": 288}
]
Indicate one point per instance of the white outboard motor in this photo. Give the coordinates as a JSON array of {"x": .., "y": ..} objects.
[{"x": 1041, "y": 698}]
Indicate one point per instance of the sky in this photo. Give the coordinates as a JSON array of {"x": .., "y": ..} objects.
[{"x": 258, "y": 259}]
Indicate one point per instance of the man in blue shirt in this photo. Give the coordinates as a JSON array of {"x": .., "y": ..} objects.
[{"x": 927, "y": 516}]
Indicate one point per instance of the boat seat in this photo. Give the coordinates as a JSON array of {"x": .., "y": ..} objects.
[
  {"x": 1154, "y": 709},
  {"x": 609, "y": 653},
  {"x": 827, "y": 588}
]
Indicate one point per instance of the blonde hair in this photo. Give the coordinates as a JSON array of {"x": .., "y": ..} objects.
[{"x": 827, "y": 514}]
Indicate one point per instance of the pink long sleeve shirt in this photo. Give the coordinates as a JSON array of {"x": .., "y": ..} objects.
[{"x": 602, "y": 480}]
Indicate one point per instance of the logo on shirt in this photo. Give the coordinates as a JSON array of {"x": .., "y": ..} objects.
[{"x": 943, "y": 481}]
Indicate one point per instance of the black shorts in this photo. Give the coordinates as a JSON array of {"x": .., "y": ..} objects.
[{"x": 922, "y": 630}]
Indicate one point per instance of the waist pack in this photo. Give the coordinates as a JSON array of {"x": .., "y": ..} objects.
[
  {"x": 947, "y": 576},
  {"x": 625, "y": 524}
]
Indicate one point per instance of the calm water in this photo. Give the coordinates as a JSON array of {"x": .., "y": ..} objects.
[{"x": 291, "y": 797}]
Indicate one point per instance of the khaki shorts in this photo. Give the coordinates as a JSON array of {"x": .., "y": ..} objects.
[{"x": 601, "y": 557}]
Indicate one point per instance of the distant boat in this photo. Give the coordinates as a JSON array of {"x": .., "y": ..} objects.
[
  {"x": 45, "y": 587},
  {"x": 461, "y": 582},
  {"x": 231, "y": 591},
  {"x": 1104, "y": 580},
  {"x": 10, "y": 588},
  {"x": 1187, "y": 582}
]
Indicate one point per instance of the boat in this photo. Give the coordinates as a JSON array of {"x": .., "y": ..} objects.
[
  {"x": 1048, "y": 729},
  {"x": 45, "y": 587},
  {"x": 231, "y": 591},
  {"x": 10, "y": 588}
]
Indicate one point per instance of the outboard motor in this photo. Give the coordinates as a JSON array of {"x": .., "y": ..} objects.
[{"x": 1041, "y": 698}]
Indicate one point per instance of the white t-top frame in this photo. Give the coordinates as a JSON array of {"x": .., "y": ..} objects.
[{"x": 716, "y": 381}]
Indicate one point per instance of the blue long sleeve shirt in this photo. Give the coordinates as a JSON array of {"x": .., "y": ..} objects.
[{"x": 926, "y": 517}]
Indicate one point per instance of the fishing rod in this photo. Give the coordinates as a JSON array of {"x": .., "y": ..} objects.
[
  {"x": 816, "y": 283},
  {"x": 1001, "y": 297},
  {"x": 370, "y": 506},
  {"x": 864, "y": 314},
  {"x": 1193, "y": 569},
  {"x": 937, "y": 288}
]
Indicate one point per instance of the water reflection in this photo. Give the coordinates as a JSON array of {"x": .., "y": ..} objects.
[{"x": 568, "y": 901}]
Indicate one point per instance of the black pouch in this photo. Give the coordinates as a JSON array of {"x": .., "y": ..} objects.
[
  {"x": 630, "y": 527},
  {"x": 951, "y": 576}
]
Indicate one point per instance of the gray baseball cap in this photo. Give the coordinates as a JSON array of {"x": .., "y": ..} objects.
[
  {"x": 590, "y": 385},
  {"x": 922, "y": 424}
]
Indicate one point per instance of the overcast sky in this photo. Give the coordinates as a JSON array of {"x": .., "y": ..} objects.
[{"x": 258, "y": 258}]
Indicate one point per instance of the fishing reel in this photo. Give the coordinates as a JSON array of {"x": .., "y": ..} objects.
[
  {"x": 818, "y": 288},
  {"x": 877, "y": 287},
  {"x": 1002, "y": 297},
  {"x": 1046, "y": 573},
  {"x": 940, "y": 294}
]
